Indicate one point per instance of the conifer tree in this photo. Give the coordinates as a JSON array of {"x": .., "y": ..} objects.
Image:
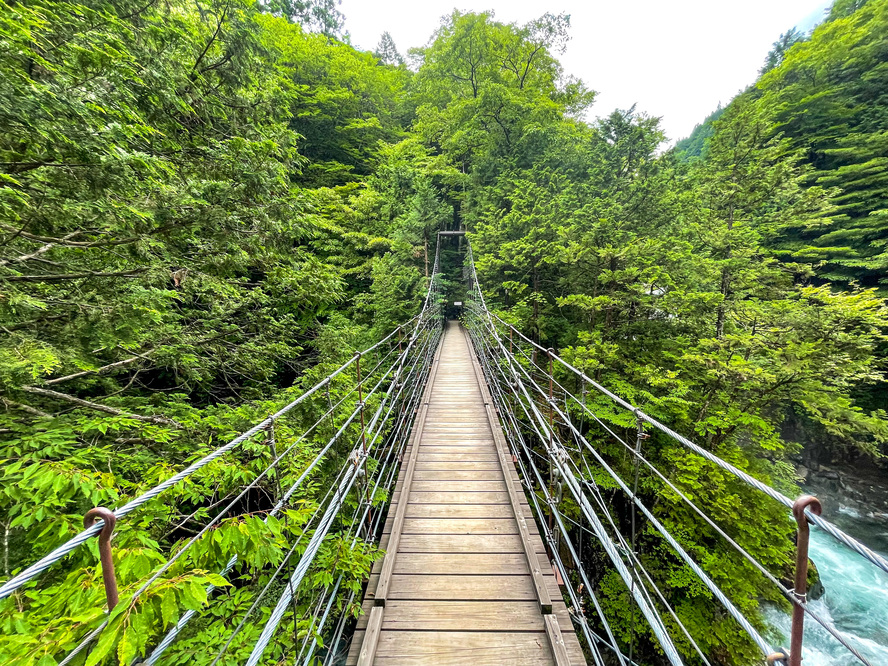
[{"x": 387, "y": 52}]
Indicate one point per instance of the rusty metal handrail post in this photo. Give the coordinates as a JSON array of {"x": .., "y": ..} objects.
[
  {"x": 800, "y": 589},
  {"x": 105, "y": 556}
]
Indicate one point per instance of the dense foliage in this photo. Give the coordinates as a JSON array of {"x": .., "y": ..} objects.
[
  {"x": 186, "y": 242},
  {"x": 204, "y": 207},
  {"x": 695, "y": 145}
]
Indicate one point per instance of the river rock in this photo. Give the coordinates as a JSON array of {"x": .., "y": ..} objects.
[
  {"x": 829, "y": 478},
  {"x": 815, "y": 583}
]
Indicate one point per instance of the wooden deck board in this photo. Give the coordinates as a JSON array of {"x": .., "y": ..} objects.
[
  {"x": 458, "y": 589},
  {"x": 460, "y": 526},
  {"x": 431, "y": 615},
  {"x": 459, "y": 511},
  {"x": 469, "y": 648}
]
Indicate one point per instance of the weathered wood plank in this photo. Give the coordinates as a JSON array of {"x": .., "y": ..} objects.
[
  {"x": 564, "y": 620},
  {"x": 459, "y": 511},
  {"x": 458, "y": 448},
  {"x": 425, "y": 465},
  {"x": 449, "y": 524},
  {"x": 467, "y": 564},
  {"x": 458, "y": 498},
  {"x": 458, "y": 475},
  {"x": 457, "y": 439},
  {"x": 458, "y": 648},
  {"x": 462, "y": 588},
  {"x": 461, "y": 615},
  {"x": 460, "y": 526},
  {"x": 462, "y": 543},
  {"x": 444, "y": 454},
  {"x": 371, "y": 638},
  {"x": 556, "y": 640},
  {"x": 459, "y": 486}
]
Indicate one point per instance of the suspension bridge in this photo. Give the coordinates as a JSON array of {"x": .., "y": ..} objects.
[{"x": 459, "y": 449}]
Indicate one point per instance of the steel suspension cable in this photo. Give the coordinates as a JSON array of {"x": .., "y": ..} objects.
[
  {"x": 873, "y": 557},
  {"x": 788, "y": 594},
  {"x": 729, "y": 606},
  {"x": 34, "y": 570},
  {"x": 358, "y": 454},
  {"x": 650, "y": 614}
]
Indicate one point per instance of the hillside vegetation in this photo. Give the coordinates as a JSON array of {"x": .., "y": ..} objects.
[{"x": 205, "y": 207}]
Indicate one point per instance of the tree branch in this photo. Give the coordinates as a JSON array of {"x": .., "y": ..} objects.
[
  {"x": 212, "y": 39},
  {"x": 60, "y": 277},
  {"x": 39, "y": 251},
  {"x": 26, "y": 408},
  {"x": 33, "y": 322},
  {"x": 69, "y": 243},
  {"x": 99, "y": 371},
  {"x": 158, "y": 420}
]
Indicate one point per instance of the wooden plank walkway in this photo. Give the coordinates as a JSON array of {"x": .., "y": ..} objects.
[{"x": 465, "y": 579}]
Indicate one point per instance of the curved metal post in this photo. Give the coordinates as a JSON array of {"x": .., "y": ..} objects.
[
  {"x": 800, "y": 591},
  {"x": 108, "y": 577}
]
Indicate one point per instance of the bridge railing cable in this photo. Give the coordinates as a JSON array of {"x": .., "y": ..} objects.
[
  {"x": 846, "y": 539},
  {"x": 44, "y": 563},
  {"x": 527, "y": 407},
  {"x": 824, "y": 622},
  {"x": 387, "y": 392},
  {"x": 282, "y": 502},
  {"x": 359, "y": 455}
]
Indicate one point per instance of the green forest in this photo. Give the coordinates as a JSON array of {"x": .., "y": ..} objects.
[{"x": 207, "y": 206}]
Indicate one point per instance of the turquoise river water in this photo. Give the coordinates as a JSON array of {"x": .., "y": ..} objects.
[{"x": 855, "y": 602}]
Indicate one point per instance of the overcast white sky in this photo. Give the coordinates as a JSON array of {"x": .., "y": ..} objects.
[{"x": 673, "y": 58}]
